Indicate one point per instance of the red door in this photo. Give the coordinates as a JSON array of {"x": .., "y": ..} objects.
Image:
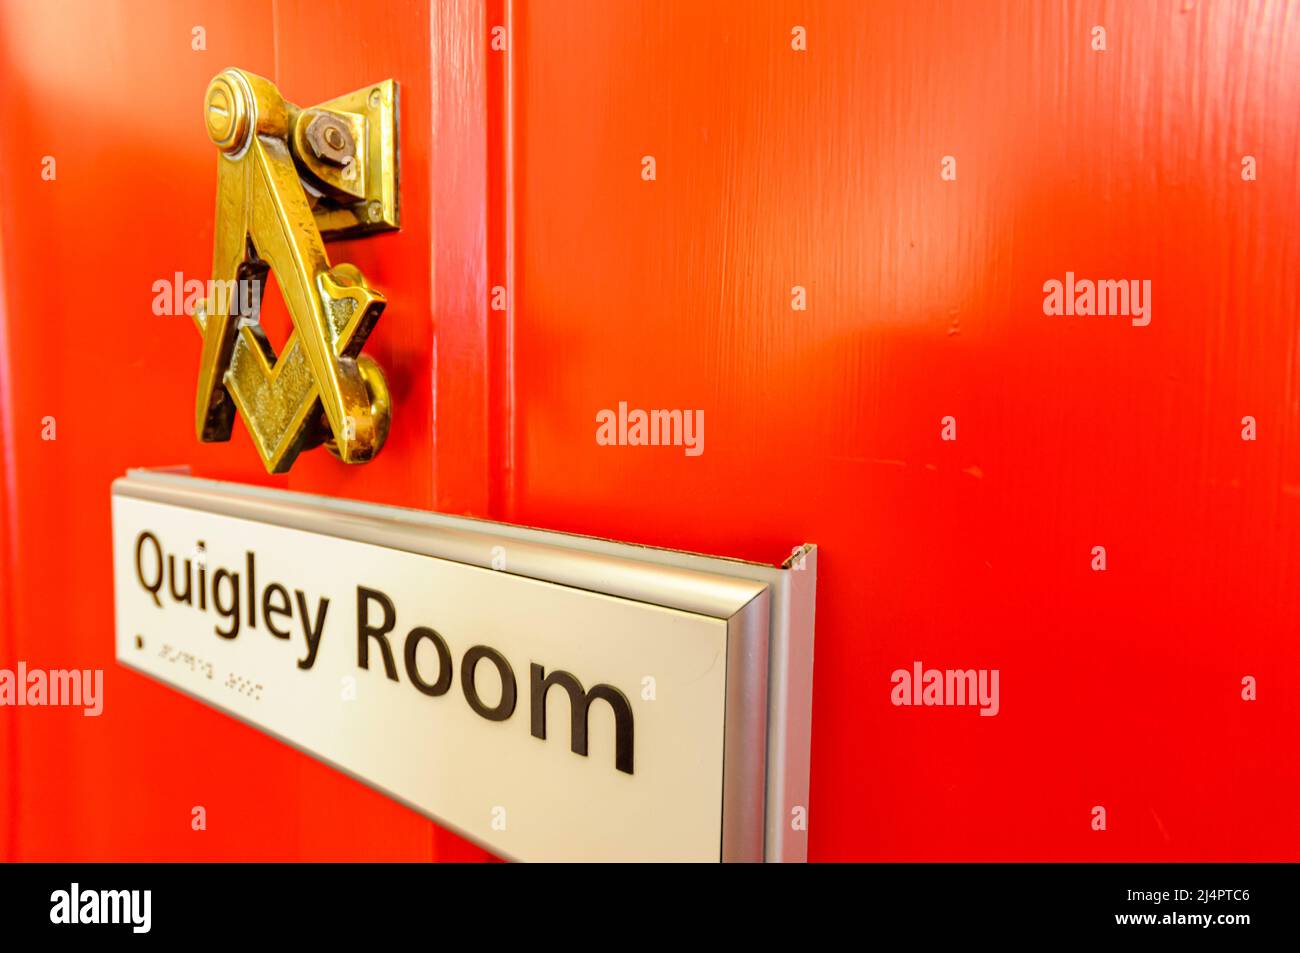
[
  {"x": 828, "y": 226},
  {"x": 113, "y": 91}
]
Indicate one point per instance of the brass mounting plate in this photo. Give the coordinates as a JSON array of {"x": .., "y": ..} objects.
[{"x": 376, "y": 107}]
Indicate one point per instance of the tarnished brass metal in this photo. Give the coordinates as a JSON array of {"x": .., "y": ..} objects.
[
  {"x": 348, "y": 149},
  {"x": 287, "y": 178}
]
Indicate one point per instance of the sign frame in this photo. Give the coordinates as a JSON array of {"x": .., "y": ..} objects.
[{"x": 768, "y": 612}]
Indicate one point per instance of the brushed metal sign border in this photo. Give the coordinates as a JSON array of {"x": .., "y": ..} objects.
[{"x": 768, "y": 611}]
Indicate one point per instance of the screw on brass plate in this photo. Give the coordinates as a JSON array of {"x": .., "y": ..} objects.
[{"x": 330, "y": 139}]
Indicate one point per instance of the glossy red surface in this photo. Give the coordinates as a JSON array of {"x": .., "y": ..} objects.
[
  {"x": 114, "y": 92},
  {"x": 775, "y": 168}
]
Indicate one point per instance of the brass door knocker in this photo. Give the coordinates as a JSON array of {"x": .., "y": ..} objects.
[{"x": 287, "y": 178}]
